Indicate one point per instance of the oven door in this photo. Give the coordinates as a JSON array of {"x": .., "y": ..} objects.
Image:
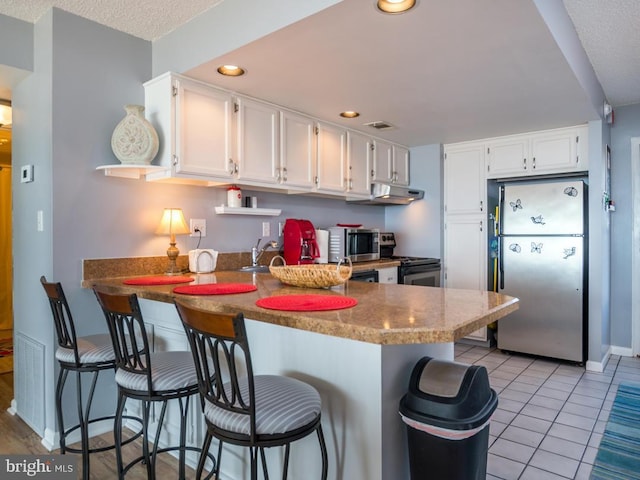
[
  {"x": 429, "y": 278},
  {"x": 366, "y": 276}
]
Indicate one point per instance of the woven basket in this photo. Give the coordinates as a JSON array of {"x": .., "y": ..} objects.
[{"x": 312, "y": 275}]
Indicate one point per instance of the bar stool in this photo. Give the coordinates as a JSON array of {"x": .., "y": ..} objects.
[
  {"x": 147, "y": 376},
  {"x": 252, "y": 411},
  {"x": 89, "y": 354}
]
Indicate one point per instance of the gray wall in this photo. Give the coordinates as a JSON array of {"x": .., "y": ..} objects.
[
  {"x": 65, "y": 110},
  {"x": 18, "y": 35},
  {"x": 418, "y": 226},
  {"x": 599, "y": 247},
  {"x": 626, "y": 125}
]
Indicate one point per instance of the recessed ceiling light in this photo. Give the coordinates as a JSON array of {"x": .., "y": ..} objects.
[
  {"x": 231, "y": 70},
  {"x": 395, "y": 6},
  {"x": 349, "y": 114}
]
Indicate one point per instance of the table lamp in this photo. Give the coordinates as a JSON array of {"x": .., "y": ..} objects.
[{"x": 172, "y": 224}]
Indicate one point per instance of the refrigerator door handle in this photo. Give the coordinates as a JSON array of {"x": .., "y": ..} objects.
[{"x": 501, "y": 262}]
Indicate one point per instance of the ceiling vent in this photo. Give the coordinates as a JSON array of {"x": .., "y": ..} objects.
[{"x": 379, "y": 125}]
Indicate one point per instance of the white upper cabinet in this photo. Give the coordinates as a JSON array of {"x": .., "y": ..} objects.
[
  {"x": 359, "y": 158},
  {"x": 194, "y": 123},
  {"x": 552, "y": 151},
  {"x": 257, "y": 141},
  {"x": 382, "y": 162},
  {"x": 400, "y": 165},
  {"x": 331, "y": 159},
  {"x": 465, "y": 184},
  {"x": 390, "y": 163},
  {"x": 211, "y": 136},
  {"x": 297, "y": 150}
]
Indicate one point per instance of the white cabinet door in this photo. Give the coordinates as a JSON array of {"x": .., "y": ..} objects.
[
  {"x": 465, "y": 261},
  {"x": 203, "y": 123},
  {"x": 465, "y": 257},
  {"x": 400, "y": 170},
  {"x": 388, "y": 275},
  {"x": 552, "y": 151},
  {"x": 556, "y": 151},
  {"x": 508, "y": 157},
  {"x": 297, "y": 150},
  {"x": 382, "y": 162},
  {"x": 359, "y": 159},
  {"x": 390, "y": 163},
  {"x": 331, "y": 159},
  {"x": 257, "y": 137},
  {"x": 464, "y": 179}
]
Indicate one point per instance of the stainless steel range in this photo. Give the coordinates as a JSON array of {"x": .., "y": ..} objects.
[{"x": 423, "y": 271}]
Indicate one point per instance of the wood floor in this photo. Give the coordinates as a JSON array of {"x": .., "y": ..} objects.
[{"x": 18, "y": 438}]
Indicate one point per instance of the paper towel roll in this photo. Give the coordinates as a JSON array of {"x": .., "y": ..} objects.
[
  {"x": 202, "y": 260},
  {"x": 322, "y": 237}
]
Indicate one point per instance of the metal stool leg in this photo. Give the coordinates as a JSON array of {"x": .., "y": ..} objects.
[
  {"x": 203, "y": 458},
  {"x": 323, "y": 451},
  {"x": 184, "y": 410},
  {"x": 62, "y": 379}
]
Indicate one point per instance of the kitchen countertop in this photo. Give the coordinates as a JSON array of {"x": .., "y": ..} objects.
[{"x": 386, "y": 314}]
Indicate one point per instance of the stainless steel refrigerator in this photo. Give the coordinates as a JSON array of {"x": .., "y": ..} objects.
[{"x": 542, "y": 260}]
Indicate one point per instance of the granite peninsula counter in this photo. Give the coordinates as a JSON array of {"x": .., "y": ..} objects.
[
  {"x": 358, "y": 358},
  {"x": 385, "y": 314}
]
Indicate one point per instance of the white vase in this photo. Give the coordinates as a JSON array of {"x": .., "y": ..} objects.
[{"x": 134, "y": 140}]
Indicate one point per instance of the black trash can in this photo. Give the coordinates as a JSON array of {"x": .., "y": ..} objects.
[{"x": 447, "y": 411}]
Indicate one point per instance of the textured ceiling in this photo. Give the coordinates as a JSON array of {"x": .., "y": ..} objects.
[
  {"x": 148, "y": 19},
  {"x": 610, "y": 34}
]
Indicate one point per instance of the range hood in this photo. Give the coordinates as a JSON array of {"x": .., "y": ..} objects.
[{"x": 383, "y": 194}]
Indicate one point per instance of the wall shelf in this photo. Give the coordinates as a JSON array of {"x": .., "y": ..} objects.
[
  {"x": 129, "y": 171},
  {"x": 266, "y": 212}
]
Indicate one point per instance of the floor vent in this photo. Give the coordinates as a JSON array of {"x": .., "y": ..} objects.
[
  {"x": 29, "y": 388},
  {"x": 379, "y": 125}
]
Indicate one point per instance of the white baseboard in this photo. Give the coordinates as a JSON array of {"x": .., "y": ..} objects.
[
  {"x": 622, "y": 351},
  {"x": 50, "y": 441},
  {"x": 613, "y": 350},
  {"x": 12, "y": 408},
  {"x": 599, "y": 367}
]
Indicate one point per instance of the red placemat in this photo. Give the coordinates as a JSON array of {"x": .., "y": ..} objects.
[
  {"x": 215, "y": 288},
  {"x": 307, "y": 302},
  {"x": 158, "y": 280}
]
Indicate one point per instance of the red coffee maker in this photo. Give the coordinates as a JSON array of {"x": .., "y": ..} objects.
[{"x": 300, "y": 245}]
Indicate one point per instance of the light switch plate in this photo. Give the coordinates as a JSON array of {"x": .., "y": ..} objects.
[{"x": 26, "y": 174}]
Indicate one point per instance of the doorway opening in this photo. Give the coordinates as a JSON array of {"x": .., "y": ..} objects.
[
  {"x": 635, "y": 252},
  {"x": 6, "y": 262}
]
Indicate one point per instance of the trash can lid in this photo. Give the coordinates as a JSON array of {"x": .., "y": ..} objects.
[{"x": 449, "y": 395}]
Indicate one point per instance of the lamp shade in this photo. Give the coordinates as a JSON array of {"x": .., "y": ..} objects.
[{"x": 172, "y": 223}]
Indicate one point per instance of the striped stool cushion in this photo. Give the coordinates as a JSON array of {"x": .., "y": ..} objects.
[
  {"x": 169, "y": 371},
  {"x": 91, "y": 349},
  {"x": 282, "y": 405}
]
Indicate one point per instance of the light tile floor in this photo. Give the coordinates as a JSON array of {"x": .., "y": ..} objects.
[{"x": 550, "y": 416}]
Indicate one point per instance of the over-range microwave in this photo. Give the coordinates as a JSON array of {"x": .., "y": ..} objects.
[{"x": 358, "y": 244}]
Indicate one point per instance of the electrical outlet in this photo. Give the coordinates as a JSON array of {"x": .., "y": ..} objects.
[
  {"x": 198, "y": 227},
  {"x": 280, "y": 228},
  {"x": 266, "y": 229}
]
